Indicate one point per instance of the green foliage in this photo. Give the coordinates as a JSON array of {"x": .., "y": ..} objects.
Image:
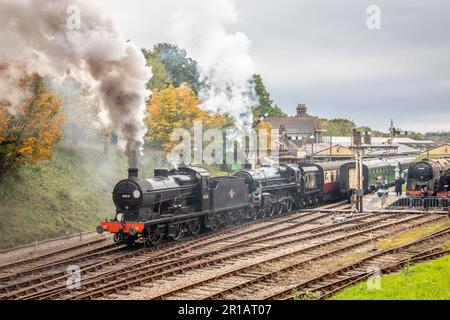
[
  {"x": 338, "y": 127},
  {"x": 266, "y": 105},
  {"x": 407, "y": 269},
  {"x": 441, "y": 137},
  {"x": 160, "y": 78},
  {"x": 415, "y": 136},
  {"x": 424, "y": 281},
  {"x": 67, "y": 194},
  {"x": 171, "y": 65}
]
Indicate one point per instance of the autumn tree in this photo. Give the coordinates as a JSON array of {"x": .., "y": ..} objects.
[
  {"x": 28, "y": 134},
  {"x": 176, "y": 108},
  {"x": 266, "y": 105}
]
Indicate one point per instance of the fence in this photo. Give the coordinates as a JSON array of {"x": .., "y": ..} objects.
[
  {"x": 419, "y": 203},
  {"x": 37, "y": 243}
]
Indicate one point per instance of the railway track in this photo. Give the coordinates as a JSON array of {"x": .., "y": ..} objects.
[
  {"x": 389, "y": 260},
  {"x": 262, "y": 275},
  {"x": 49, "y": 257},
  {"x": 51, "y": 273},
  {"x": 220, "y": 258}
]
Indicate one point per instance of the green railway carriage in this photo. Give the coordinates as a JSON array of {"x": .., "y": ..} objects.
[{"x": 388, "y": 169}]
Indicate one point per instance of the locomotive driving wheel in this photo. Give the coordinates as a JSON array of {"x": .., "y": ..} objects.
[
  {"x": 287, "y": 205},
  {"x": 236, "y": 218},
  {"x": 194, "y": 227},
  {"x": 177, "y": 232},
  {"x": 252, "y": 215},
  {"x": 153, "y": 238},
  {"x": 271, "y": 211}
]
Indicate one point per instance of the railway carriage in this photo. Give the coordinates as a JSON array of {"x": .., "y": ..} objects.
[
  {"x": 340, "y": 179},
  {"x": 387, "y": 169}
]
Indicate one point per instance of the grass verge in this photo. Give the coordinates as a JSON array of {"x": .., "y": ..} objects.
[{"x": 423, "y": 281}]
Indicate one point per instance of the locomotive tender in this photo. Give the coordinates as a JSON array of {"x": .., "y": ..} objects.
[{"x": 188, "y": 200}]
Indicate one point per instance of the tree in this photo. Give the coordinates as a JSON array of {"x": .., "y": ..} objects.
[
  {"x": 338, "y": 127},
  {"x": 171, "y": 65},
  {"x": 160, "y": 78},
  {"x": 28, "y": 135},
  {"x": 266, "y": 105},
  {"x": 176, "y": 108}
]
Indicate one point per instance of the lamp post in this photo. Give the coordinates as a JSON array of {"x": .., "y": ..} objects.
[{"x": 311, "y": 138}]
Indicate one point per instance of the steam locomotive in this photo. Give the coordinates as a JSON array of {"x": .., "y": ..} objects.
[{"x": 434, "y": 174}]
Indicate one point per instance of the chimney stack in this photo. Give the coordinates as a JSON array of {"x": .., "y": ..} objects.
[
  {"x": 367, "y": 138},
  {"x": 133, "y": 173},
  {"x": 302, "y": 110}
]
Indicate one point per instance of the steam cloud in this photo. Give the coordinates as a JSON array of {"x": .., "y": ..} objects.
[
  {"x": 224, "y": 58},
  {"x": 37, "y": 30}
]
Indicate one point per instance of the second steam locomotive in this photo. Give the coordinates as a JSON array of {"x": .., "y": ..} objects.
[{"x": 189, "y": 200}]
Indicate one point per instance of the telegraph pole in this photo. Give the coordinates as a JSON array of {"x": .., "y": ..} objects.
[
  {"x": 359, "y": 157},
  {"x": 359, "y": 145}
]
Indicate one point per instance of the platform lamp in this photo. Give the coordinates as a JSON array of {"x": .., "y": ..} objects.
[{"x": 312, "y": 138}]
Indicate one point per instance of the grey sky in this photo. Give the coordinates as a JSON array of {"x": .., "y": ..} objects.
[{"x": 321, "y": 53}]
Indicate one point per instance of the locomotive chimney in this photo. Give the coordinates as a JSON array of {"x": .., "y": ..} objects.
[
  {"x": 367, "y": 138},
  {"x": 133, "y": 173}
]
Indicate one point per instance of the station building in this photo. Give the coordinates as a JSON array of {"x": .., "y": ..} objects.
[
  {"x": 302, "y": 137},
  {"x": 442, "y": 151}
]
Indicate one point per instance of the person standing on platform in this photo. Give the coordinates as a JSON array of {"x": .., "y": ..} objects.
[
  {"x": 425, "y": 195},
  {"x": 399, "y": 181}
]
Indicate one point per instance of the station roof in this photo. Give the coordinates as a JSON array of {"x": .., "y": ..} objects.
[{"x": 347, "y": 141}]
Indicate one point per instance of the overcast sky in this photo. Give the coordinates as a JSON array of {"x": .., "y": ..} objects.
[{"x": 321, "y": 53}]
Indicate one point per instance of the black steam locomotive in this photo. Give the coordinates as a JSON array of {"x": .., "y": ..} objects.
[
  {"x": 432, "y": 174},
  {"x": 188, "y": 200}
]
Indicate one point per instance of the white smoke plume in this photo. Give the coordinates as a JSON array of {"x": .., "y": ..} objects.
[
  {"x": 224, "y": 60},
  {"x": 11, "y": 94},
  {"x": 78, "y": 38}
]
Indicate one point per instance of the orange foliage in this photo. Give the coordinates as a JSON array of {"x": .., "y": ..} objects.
[
  {"x": 28, "y": 134},
  {"x": 267, "y": 128},
  {"x": 4, "y": 122},
  {"x": 176, "y": 108}
]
